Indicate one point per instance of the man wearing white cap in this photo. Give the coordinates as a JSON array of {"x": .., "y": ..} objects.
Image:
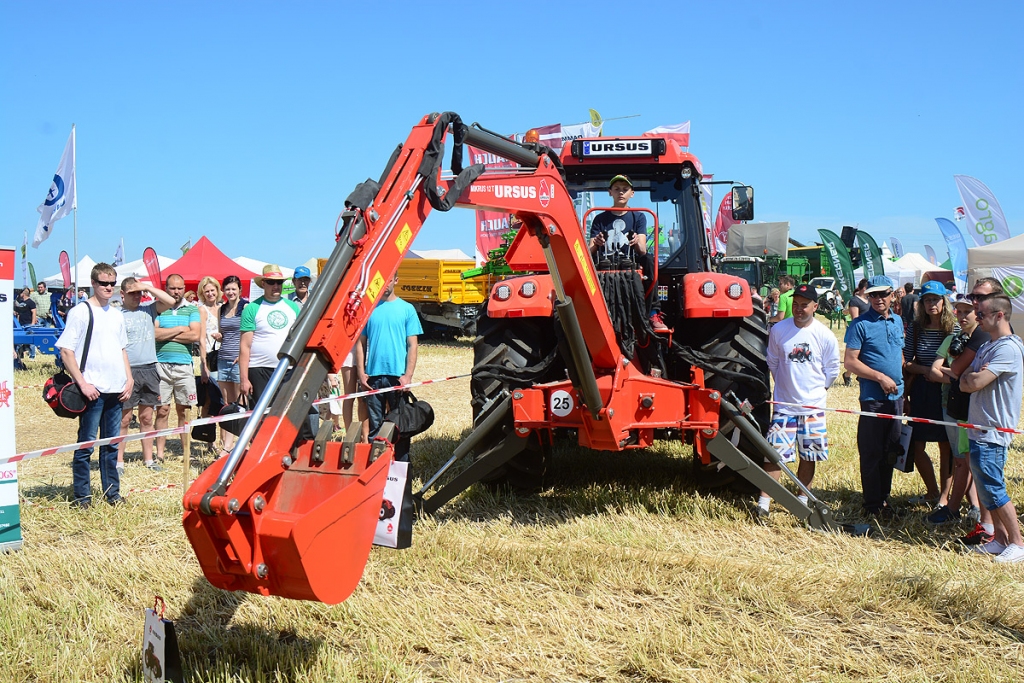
[{"x": 264, "y": 325}]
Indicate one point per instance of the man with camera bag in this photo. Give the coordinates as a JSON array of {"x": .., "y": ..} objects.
[{"x": 93, "y": 350}]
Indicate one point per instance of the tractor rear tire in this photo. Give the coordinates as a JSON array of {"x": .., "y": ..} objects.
[{"x": 512, "y": 343}]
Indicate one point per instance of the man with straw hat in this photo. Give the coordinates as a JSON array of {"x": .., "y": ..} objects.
[{"x": 264, "y": 325}]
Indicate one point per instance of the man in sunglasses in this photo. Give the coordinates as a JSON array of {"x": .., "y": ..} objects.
[
  {"x": 265, "y": 323},
  {"x": 874, "y": 352},
  {"x": 995, "y": 384},
  {"x": 105, "y": 382},
  {"x": 985, "y": 287}
]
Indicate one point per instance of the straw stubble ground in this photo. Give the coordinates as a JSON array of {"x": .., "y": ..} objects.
[{"x": 621, "y": 571}]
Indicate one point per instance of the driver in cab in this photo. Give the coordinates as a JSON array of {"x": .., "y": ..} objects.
[{"x": 619, "y": 234}]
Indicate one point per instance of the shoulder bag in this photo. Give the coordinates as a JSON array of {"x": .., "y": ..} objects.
[{"x": 60, "y": 392}]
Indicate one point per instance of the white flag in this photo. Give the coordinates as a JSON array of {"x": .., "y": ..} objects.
[
  {"x": 987, "y": 224},
  {"x": 61, "y": 198},
  {"x": 119, "y": 254}
]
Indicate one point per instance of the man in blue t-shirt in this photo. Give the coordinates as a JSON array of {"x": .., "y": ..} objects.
[
  {"x": 389, "y": 357},
  {"x": 874, "y": 352},
  {"x": 620, "y": 234}
]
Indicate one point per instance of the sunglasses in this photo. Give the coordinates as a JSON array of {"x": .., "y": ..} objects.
[
  {"x": 101, "y": 283},
  {"x": 879, "y": 295},
  {"x": 273, "y": 282}
]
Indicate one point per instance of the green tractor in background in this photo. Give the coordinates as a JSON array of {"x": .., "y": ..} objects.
[{"x": 759, "y": 253}]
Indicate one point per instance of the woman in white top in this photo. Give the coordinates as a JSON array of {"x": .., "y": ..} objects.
[{"x": 210, "y": 301}]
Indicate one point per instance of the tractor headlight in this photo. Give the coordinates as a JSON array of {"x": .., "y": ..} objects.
[
  {"x": 687, "y": 171},
  {"x": 528, "y": 289},
  {"x": 708, "y": 288},
  {"x": 503, "y": 293},
  {"x": 734, "y": 291}
]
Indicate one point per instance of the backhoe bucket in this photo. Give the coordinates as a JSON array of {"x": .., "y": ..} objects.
[{"x": 304, "y": 531}]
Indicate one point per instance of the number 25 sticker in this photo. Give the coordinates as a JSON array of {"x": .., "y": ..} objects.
[{"x": 561, "y": 403}]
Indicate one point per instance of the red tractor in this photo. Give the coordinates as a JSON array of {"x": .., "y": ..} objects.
[{"x": 565, "y": 350}]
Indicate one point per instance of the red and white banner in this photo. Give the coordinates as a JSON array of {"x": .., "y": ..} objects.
[
  {"x": 984, "y": 215},
  {"x": 65, "y": 268},
  {"x": 680, "y": 132},
  {"x": 706, "y": 202},
  {"x": 723, "y": 222},
  {"x": 152, "y": 262},
  {"x": 490, "y": 225}
]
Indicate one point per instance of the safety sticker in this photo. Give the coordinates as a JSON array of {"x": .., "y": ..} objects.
[
  {"x": 404, "y": 237},
  {"x": 376, "y": 284}
]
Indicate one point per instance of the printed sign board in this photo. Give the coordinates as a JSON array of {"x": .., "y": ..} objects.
[{"x": 10, "y": 514}]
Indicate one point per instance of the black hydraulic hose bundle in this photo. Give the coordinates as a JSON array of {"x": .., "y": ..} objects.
[{"x": 430, "y": 167}]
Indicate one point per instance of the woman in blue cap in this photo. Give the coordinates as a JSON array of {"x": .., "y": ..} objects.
[{"x": 933, "y": 322}]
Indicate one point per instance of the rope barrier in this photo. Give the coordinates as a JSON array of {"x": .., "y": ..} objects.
[
  {"x": 181, "y": 429},
  {"x": 902, "y": 418}
]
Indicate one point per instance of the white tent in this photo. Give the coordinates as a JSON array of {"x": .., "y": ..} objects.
[
  {"x": 893, "y": 271},
  {"x": 137, "y": 268},
  {"x": 257, "y": 266},
  {"x": 85, "y": 265},
  {"x": 917, "y": 263},
  {"x": 1004, "y": 261},
  {"x": 440, "y": 254}
]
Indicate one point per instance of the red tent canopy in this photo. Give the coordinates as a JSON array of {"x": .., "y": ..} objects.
[{"x": 206, "y": 259}]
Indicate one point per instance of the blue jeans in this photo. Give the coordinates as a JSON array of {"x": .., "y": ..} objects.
[
  {"x": 379, "y": 405},
  {"x": 988, "y": 461},
  {"x": 104, "y": 414}
]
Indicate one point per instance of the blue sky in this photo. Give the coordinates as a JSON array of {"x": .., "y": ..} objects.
[{"x": 251, "y": 122}]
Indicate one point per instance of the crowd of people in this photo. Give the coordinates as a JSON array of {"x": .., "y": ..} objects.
[
  {"x": 938, "y": 351},
  {"x": 137, "y": 358},
  {"x": 930, "y": 354}
]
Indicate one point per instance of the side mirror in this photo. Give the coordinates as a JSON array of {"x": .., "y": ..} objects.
[{"x": 742, "y": 203}]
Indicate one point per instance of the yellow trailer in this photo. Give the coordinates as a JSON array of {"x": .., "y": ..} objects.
[{"x": 441, "y": 297}]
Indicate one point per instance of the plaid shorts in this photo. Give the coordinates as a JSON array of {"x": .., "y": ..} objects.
[{"x": 806, "y": 430}]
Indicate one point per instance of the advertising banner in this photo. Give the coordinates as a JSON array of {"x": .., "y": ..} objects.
[
  {"x": 985, "y": 218},
  {"x": 897, "y": 248},
  {"x": 706, "y": 202},
  {"x": 723, "y": 221},
  {"x": 842, "y": 265},
  {"x": 870, "y": 255},
  {"x": 10, "y": 513},
  {"x": 490, "y": 225},
  {"x": 930, "y": 254},
  {"x": 957, "y": 248}
]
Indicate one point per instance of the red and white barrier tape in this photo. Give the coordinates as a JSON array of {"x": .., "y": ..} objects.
[
  {"x": 181, "y": 429},
  {"x": 902, "y": 418}
]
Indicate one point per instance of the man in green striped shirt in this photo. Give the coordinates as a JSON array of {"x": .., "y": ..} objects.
[{"x": 176, "y": 330}]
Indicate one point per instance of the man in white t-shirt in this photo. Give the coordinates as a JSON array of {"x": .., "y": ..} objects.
[
  {"x": 105, "y": 382},
  {"x": 803, "y": 356},
  {"x": 265, "y": 323}
]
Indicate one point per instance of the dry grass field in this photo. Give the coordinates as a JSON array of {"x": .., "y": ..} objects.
[{"x": 621, "y": 571}]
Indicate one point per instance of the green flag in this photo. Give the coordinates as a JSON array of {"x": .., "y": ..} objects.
[
  {"x": 839, "y": 257},
  {"x": 870, "y": 255},
  {"x": 32, "y": 275}
]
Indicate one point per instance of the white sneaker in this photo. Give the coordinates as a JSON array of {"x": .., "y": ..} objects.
[
  {"x": 990, "y": 548},
  {"x": 1012, "y": 553}
]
